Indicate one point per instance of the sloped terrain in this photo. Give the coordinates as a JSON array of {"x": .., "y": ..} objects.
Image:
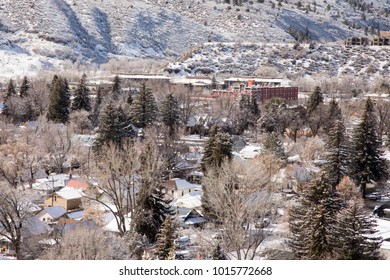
[
  {"x": 295, "y": 60},
  {"x": 96, "y": 30}
]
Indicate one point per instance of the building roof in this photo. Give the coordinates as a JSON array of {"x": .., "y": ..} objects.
[
  {"x": 180, "y": 184},
  {"x": 251, "y": 151},
  {"x": 189, "y": 200},
  {"x": 68, "y": 193},
  {"x": 77, "y": 184},
  {"x": 76, "y": 215},
  {"x": 55, "y": 211}
]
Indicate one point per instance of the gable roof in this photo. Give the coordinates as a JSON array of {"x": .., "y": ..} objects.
[
  {"x": 180, "y": 184},
  {"x": 55, "y": 211}
]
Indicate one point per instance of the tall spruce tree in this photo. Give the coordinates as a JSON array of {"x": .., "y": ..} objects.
[
  {"x": 166, "y": 240},
  {"x": 59, "y": 101},
  {"x": 144, "y": 110},
  {"x": 218, "y": 148},
  {"x": 367, "y": 164},
  {"x": 316, "y": 98},
  {"x": 353, "y": 234},
  {"x": 337, "y": 154},
  {"x": 274, "y": 145},
  {"x": 170, "y": 113},
  {"x": 153, "y": 207},
  {"x": 311, "y": 221},
  {"x": 81, "y": 99},
  {"x": 114, "y": 126},
  {"x": 24, "y": 87},
  {"x": 10, "y": 92},
  {"x": 334, "y": 113},
  {"x": 116, "y": 87},
  {"x": 96, "y": 107}
]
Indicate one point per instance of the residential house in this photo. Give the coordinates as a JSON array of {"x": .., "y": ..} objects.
[
  {"x": 67, "y": 198},
  {"x": 190, "y": 217},
  {"x": 51, "y": 214},
  {"x": 176, "y": 187}
]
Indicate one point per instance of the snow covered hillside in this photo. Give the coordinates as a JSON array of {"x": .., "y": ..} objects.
[
  {"x": 295, "y": 60},
  {"x": 96, "y": 30}
]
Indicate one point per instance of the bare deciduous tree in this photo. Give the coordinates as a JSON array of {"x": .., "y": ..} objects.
[{"x": 241, "y": 196}]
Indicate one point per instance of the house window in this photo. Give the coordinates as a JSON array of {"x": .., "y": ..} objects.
[
  {"x": 44, "y": 219},
  {"x": 173, "y": 192},
  {"x": 182, "y": 193}
]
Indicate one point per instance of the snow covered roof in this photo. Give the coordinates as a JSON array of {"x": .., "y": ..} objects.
[
  {"x": 195, "y": 221},
  {"x": 55, "y": 211},
  {"x": 113, "y": 226},
  {"x": 189, "y": 200},
  {"x": 68, "y": 193},
  {"x": 251, "y": 151}
]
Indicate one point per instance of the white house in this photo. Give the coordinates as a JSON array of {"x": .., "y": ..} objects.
[
  {"x": 51, "y": 214},
  {"x": 177, "y": 188}
]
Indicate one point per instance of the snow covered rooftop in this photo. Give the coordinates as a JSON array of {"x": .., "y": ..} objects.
[
  {"x": 251, "y": 151},
  {"x": 190, "y": 200},
  {"x": 68, "y": 193}
]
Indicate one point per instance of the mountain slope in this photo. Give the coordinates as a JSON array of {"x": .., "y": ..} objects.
[{"x": 96, "y": 30}]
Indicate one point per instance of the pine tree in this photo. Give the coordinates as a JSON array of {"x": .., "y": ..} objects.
[
  {"x": 274, "y": 145},
  {"x": 153, "y": 207},
  {"x": 316, "y": 98},
  {"x": 166, "y": 240},
  {"x": 334, "y": 113},
  {"x": 10, "y": 92},
  {"x": 116, "y": 87},
  {"x": 170, "y": 113},
  {"x": 218, "y": 148},
  {"x": 311, "y": 221},
  {"x": 218, "y": 253},
  {"x": 114, "y": 126},
  {"x": 337, "y": 154},
  {"x": 367, "y": 164},
  {"x": 144, "y": 110},
  {"x": 81, "y": 99},
  {"x": 59, "y": 102},
  {"x": 96, "y": 107},
  {"x": 353, "y": 235},
  {"x": 24, "y": 87}
]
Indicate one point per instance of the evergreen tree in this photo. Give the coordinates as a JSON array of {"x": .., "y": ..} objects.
[
  {"x": 24, "y": 87},
  {"x": 166, "y": 240},
  {"x": 337, "y": 155},
  {"x": 116, "y": 87},
  {"x": 274, "y": 145},
  {"x": 311, "y": 221},
  {"x": 249, "y": 112},
  {"x": 129, "y": 99},
  {"x": 96, "y": 107},
  {"x": 59, "y": 102},
  {"x": 334, "y": 113},
  {"x": 114, "y": 126},
  {"x": 153, "y": 207},
  {"x": 170, "y": 113},
  {"x": 218, "y": 253},
  {"x": 144, "y": 109},
  {"x": 367, "y": 164},
  {"x": 218, "y": 148},
  {"x": 316, "y": 98},
  {"x": 8, "y": 94},
  {"x": 353, "y": 235},
  {"x": 81, "y": 99}
]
